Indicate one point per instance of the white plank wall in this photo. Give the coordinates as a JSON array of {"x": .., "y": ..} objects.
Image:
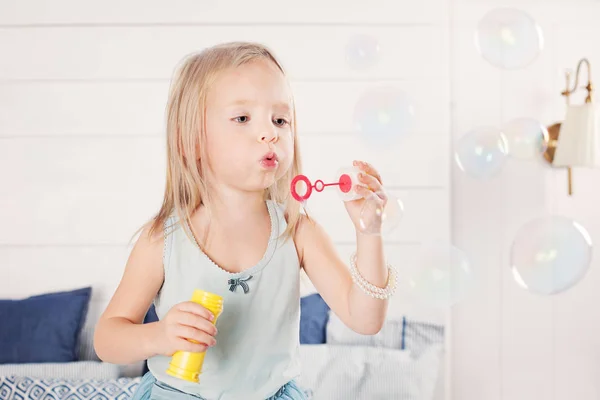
[
  {"x": 151, "y": 52},
  {"x": 177, "y": 12},
  {"x": 508, "y": 344},
  {"x": 83, "y": 88},
  {"x": 92, "y": 108}
]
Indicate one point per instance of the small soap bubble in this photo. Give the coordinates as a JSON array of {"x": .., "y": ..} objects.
[
  {"x": 482, "y": 152},
  {"x": 508, "y": 38},
  {"x": 362, "y": 52},
  {"x": 526, "y": 138},
  {"x": 383, "y": 115},
  {"x": 375, "y": 219},
  {"x": 441, "y": 275},
  {"x": 550, "y": 254}
]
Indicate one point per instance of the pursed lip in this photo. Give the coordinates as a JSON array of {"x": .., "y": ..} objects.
[
  {"x": 270, "y": 156},
  {"x": 269, "y": 160}
]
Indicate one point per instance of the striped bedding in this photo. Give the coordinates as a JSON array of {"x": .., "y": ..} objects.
[{"x": 352, "y": 372}]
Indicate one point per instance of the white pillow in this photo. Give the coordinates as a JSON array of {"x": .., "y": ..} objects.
[
  {"x": 338, "y": 372},
  {"x": 390, "y": 335},
  {"x": 68, "y": 370},
  {"x": 403, "y": 334},
  {"x": 420, "y": 335}
]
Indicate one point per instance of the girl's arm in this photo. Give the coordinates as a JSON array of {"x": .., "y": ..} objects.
[
  {"x": 331, "y": 277},
  {"x": 120, "y": 336},
  {"x": 329, "y": 274}
]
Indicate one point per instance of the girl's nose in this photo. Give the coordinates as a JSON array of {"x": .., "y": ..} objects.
[{"x": 268, "y": 136}]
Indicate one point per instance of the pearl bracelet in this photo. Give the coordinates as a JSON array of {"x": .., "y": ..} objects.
[{"x": 370, "y": 289}]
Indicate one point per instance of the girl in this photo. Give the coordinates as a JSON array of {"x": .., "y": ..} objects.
[{"x": 228, "y": 226}]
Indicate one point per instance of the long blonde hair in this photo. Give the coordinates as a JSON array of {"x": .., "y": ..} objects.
[{"x": 186, "y": 187}]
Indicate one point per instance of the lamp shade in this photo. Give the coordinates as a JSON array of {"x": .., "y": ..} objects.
[{"x": 579, "y": 138}]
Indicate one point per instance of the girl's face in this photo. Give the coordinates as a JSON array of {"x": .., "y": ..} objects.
[{"x": 249, "y": 143}]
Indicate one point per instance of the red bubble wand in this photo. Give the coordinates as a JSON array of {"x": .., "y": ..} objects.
[
  {"x": 344, "y": 182},
  {"x": 374, "y": 219}
]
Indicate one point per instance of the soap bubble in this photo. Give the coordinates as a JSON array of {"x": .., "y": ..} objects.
[
  {"x": 383, "y": 115},
  {"x": 527, "y": 138},
  {"x": 440, "y": 275},
  {"x": 362, "y": 52},
  {"x": 550, "y": 254},
  {"x": 508, "y": 38},
  {"x": 378, "y": 220},
  {"x": 481, "y": 153}
]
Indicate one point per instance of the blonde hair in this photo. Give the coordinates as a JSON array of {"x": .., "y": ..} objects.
[{"x": 186, "y": 187}]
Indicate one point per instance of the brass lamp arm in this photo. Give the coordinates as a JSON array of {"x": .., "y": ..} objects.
[{"x": 589, "y": 87}]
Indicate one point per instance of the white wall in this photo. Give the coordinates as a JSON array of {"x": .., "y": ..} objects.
[
  {"x": 507, "y": 343},
  {"x": 82, "y": 91}
]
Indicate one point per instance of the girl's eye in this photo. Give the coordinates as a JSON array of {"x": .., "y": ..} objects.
[
  {"x": 280, "y": 122},
  {"x": 241, "y": 119}
]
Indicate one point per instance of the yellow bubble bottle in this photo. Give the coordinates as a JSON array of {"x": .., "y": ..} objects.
[{"x": 187, "y": 365}]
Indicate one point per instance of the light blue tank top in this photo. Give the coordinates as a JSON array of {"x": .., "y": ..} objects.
[{"x": 257, "y": 350}]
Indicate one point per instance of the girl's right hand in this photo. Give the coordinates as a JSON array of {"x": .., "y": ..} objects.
[{"x": 183, "y": 323}]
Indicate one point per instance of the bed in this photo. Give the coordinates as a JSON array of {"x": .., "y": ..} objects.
[{"x": 404, "y": 361}]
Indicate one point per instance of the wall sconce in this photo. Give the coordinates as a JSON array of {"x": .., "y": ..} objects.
[{"x": 576, "y": 141}]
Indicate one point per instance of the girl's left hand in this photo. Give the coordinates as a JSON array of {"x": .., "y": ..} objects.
[{"x": 371, "y": 189}]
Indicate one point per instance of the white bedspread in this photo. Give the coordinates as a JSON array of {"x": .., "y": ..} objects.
[{"x": 340, "y": 372}]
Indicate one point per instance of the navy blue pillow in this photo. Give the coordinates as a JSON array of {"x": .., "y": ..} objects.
[
  {"x": 314, "y": 314},
  {"x": 43, "y": 328}
]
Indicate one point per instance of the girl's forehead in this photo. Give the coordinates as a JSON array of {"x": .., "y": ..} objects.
[{"x": 253, "y": 82}]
